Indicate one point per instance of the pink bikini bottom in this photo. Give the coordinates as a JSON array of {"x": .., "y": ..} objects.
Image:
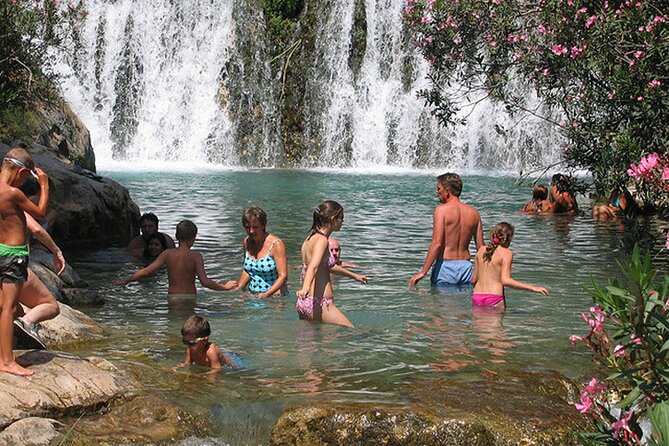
[
  {"x": 486, "y": 300},
  {"x": 305, "y": 307}
]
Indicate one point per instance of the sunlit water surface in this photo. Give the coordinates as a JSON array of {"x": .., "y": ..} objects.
[{"x": 400, "y": 335}]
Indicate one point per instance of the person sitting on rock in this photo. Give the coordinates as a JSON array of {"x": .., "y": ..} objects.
[
  {"x": 42, "y": 305},
  {"x": 148, "y": 224}
]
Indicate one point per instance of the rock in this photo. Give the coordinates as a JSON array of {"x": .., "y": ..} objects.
[
  {"x": 62, "y": 384},
  {"x": 69, "y": 326},
  {"x": 508, "y": 409},
  {"x": 30, "y": 431},
  {"x": 84, "y": 208},
  {"x": 64, "y": 133},
  {"x": 145, "y": 419}
]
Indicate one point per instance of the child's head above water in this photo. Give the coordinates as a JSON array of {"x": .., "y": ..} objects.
[
  {"x": 500, "y": 235},
  {"x": 195, "y": 328},
  {"x": 186, "y": 230}
]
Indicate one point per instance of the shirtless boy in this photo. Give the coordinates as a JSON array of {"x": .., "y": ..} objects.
[
  {"x": 455, "y": 225},
  {"x": 17, "y": 166},
  {"x": 195, "y": 335},
  {"x": 183, "y": 266}
]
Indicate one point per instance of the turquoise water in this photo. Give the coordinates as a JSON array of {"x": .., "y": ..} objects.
[{"x": 400, "y": 334}]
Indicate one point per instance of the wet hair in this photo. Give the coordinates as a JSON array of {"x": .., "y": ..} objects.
[
  {"x": 161, "y": 238},
  {"x": 324, "y": 213},
  {"x": 254, "y": 213},
  {"x": 19, "y": 154},
  {"x": 186, "y": 230},
  {"x": 562, "y": 182},
  {"x": 540, "y": 192},
  {"x": 149, "y": 216},
  {"x": 196, "y": 326},
  {"x": 452, "y": 182},
  {"x": 500, "y": 235}
]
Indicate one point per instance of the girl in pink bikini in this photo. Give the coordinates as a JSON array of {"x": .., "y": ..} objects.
[
  {"x": 315, "y": 298},
  {"x": 492, "y": 270}
]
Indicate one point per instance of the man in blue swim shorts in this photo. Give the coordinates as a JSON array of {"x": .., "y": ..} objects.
[{"x": 455, "y": 225}]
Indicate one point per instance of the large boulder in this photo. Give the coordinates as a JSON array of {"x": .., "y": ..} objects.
[
  {"x": 84, "y": 208},
  {"x": 507, "y": 409},
  {"x": 69, "y": 326},
  {"x": 63, "y": 383}
]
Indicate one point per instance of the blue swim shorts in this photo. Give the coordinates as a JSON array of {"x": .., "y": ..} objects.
[{"x": 452, "y": 272}]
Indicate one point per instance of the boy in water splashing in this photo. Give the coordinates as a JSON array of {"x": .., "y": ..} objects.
[{"x": 17, "y": 167}]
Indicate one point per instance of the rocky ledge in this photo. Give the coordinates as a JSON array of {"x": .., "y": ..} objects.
[{"x": 498, "y": 409}]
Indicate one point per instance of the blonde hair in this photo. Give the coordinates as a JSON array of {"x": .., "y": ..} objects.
[{"x": 500, "y": 235}]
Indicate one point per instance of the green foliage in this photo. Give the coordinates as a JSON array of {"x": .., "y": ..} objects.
[
  {"x": 602, "y": 64},
  {"x": 18, "y": 123},
  {"x": 629, "y": 335},
  {"x": 28, "y": 30},
  {"x": 281, "y": 14}
]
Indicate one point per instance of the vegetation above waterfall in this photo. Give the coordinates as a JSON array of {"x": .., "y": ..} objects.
[
  {"x": 601, "y": 64},
  {"x": 29, "y": 29},
  {"x": 281, "y": 14}
]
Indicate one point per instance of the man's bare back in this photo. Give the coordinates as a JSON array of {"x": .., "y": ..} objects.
[{"x": 455, "y": 224}]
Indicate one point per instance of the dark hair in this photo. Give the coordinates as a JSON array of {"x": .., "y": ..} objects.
[
  {"x": 186, "y": 230},
  {"x": 501, "y": 234},
  {"x": 149, "y": 216},
  {"x": 452, "y": 182},
  {"x": 161, "y": 238},
  {"x": 254, "y": 213},
  {"x": 562, "y": 182},
  {"x": 540, "y": 192},
  {"x": 20, "y": 144},
  {"x": 324, "y": 213},
  {"x": 196, "y": 326}
]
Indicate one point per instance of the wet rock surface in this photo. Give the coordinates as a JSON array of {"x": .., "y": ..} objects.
[
  {"x": 70, "y": 326},
  {"x": 498, "y": 409}
]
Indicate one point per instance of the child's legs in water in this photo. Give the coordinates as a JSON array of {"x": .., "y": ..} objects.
[{"x": 328, "y": 313}]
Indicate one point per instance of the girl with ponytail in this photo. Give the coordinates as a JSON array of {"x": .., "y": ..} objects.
[
  {"x": 492, "y": 270},
  {"x": 315, "y": 300}
]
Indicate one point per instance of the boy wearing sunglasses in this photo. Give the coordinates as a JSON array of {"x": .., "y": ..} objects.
[
  {"x": 195, "y": 335},
  {"x": 17, "y": 167}
]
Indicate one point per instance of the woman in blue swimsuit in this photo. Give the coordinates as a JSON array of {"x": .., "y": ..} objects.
[{"x": 265, "y": 269}]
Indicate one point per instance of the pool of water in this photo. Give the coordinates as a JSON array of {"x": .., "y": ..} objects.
[{"x": 400, "y": 334}]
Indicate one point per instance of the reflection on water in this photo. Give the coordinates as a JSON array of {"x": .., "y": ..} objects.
[{"x": 400, "y": 334}]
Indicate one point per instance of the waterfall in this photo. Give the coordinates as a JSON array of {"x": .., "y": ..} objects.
[{"x": 192, "y": 82}]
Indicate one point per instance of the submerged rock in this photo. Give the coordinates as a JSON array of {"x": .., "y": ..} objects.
[
  {"x": 31, "y": 431},
  {"x": 508, "y": 409}
]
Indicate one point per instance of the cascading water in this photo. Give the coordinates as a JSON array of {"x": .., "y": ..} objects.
[{"x": 173, "y": 82}]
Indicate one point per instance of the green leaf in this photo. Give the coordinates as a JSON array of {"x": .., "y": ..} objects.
[
  {"x": 629, "y": 399},
  {"x": 659, "y": 420}
]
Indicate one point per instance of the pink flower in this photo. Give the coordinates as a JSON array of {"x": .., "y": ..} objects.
[
  {"x": 637, "y": 340},
  {"x": 559, "y": 49},
  {"x": 654, "y": 83},
  {"x": 546, "y": 72},
  {"x": 638, "y": 54},
  {"x": 665, "y": 176},
  {"x": 575, "y": 52},
  {"x": 640, "y": 98},
  {"x": 590, "y": 21},
  {"x": 666, "y": 245},
  {"x": 457, "y": 39},
  {"x": 574, "y": 339},
  {"x": 585, "y": 405},
  {"x": 621, "y": 424},
  {"x": 426, "y": 19},
  {"x": 619, "y": 350},
  {"x": 633, "y": 171},
  {"x": 593, "y": 388}
]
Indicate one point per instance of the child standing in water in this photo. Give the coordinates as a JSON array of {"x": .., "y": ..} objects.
[
  {"x": 492, "y": 270},
  {"x": 17, "y": 167},
  {"x": 315, "y": 300},
  {"x": 195, "y": 336}
]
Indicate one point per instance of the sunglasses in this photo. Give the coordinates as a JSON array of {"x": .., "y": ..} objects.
[
  {"x": 20, "y": 164},
  {"x": 193, "y": 341}
]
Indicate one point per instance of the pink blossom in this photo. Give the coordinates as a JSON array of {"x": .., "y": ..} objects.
[
  {"x": 426, "y": 19},
  {"x": 590, "y": 21},
  {"x": 559, "y": 49},
  {"x": 666, "y": 245},
  {"x": 541, "y": 29},
  {"x": 633, "y": 171},
  {"x": 640, "y": 98},
  {"x": 574, "y": 339},
  {"x": 611, "y": 95},
  {"x": 546, "y": 72},
  {"x": 497, "y": 2},
  {"x": 575, "y": 52},
  {"x": 457, "y": 39},
  {"x": 621, "y": 424},
  {"x": 585, "y": 405},
  {"x": 654, "y": 83},
  {"x": 594, "y": 387},
  {"x": 638, "y": 54},
  {"x": 658, "y": 19},
  {"x": 619, "y": 350},
  {"x": 637, "y": 340},
  {"x": 665, "y": 176},
  {"x": 649, "y": 28}
]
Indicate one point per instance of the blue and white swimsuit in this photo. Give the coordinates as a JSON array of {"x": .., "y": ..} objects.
[{"x": 262, "y": 271}]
